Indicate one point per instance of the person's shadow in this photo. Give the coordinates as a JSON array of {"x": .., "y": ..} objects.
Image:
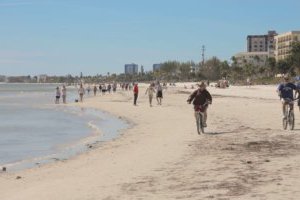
[{"x": 217, "y": 133}]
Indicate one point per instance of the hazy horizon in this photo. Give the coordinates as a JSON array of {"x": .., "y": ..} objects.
[{"x": 96, "y": 37}]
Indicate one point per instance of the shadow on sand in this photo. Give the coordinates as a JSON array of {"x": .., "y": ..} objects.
[{"x": 217, "y": 133}]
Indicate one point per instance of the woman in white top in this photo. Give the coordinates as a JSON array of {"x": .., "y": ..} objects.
[{"x": 150, "y": 91}]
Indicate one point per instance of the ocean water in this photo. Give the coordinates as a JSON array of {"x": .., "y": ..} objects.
[{"x": 35, "y": 131}]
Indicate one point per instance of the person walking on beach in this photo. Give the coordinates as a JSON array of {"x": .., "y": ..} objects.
[
  {"x": 64, "y": 94},
  {"x": 103, "y": 89},
  {"x": 88, "y": 89},
  {"x": 100, "y": 88},
  {"x": 81, "y": 92},
  {"x": 150, "y": 91},
  {"x": 95, "y": 90},
  {"x": 109, "y": 88},
  {"x": 114, "y": 87},
  {"x": 249, "y": 82},
  {"x": 135, "y": 93},
  {"x": 57, "y": 96},
  {"x": 159, "y": 93},
  {"x": 199, "y": 98}
]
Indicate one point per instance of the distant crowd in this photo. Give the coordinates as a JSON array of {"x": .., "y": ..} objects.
[{"x": 103, "y": 88}]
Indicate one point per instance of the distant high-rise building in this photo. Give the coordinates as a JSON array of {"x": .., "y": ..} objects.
[
  {"x": 284, "y": 44},
  {"x": 262, "y": 43},
  {"x": 131, "y": 68},
  {"x": 156, "y": 67},
  {"x": 142, "y": 69}
]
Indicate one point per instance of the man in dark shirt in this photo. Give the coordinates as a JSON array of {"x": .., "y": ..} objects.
[
  {"x": 286, "y": 92},
  {"x": 201, "y": 97},
  {"x": 135, "y": 93}
]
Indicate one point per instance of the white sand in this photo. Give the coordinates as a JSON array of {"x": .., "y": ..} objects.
[{"x": 244, "y": 155}]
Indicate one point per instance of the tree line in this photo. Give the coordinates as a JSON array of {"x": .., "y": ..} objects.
[{"x": 212, "y": 69}]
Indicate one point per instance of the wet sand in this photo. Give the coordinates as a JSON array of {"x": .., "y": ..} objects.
[{"x": 245, "y": 154}]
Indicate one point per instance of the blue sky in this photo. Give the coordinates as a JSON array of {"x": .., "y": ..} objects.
[{"x": 99, "y": 36}]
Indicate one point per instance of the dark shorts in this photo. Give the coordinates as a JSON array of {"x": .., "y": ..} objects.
[
  {"x": 159, "y": 94},
  {"x": 57, "y": 97}
]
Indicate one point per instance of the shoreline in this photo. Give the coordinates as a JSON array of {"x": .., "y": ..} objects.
[
  {"x": 73, "y": 148},
  {"x": 242, "y": 156}
]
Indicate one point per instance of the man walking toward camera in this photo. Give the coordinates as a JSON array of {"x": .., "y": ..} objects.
[{"x": 135, "y": 93}]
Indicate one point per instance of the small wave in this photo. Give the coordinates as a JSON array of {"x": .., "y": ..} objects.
[{"x": 94, "y": 127}]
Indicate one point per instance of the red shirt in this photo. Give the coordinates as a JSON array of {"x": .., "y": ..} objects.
[{"x": 135, "y": 89}]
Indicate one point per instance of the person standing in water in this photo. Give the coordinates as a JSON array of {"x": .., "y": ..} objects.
[
  {"x": 57, "y": 97},
  {"x": 64, "y": 94},
  {"x": 81, "y": 92},
  {"x": 150, "y": 91},
  {"x": 135, "y": 93},
  {"x": 95, "y": 90},
  {"x": 159, "y": 93}
]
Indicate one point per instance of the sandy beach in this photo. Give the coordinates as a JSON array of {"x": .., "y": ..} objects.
[{"x": 245, "y": 154}]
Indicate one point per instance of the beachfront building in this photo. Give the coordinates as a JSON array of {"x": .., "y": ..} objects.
[
  {"x": 262, "y": 43},
  {"x": 253, "y": 58},
  {"x": 131, "y": 68},
  {"x": 284, "y": 44},
  {"x": 156, "y": 67},
  {"x": 2, "y": 78},
  {"x": 42, "y": 78}
]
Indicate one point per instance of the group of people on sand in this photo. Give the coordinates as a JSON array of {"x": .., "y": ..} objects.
[
  {"x": 223, "y": 83},
  {"x": 155, "y": 89},
  {"x": 61, "y": 93},
  {"x": 201, "y": 98},
  {"x": 287, "y": 91},
  {"x": 101, "y": 88}
]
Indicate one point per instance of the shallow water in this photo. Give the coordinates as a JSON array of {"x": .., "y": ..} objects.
[{"x": 34, "y": 131}]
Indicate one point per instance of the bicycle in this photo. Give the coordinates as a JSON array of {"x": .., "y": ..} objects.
[
  {"x": 199, "y": 113},
  {"x": 289, "y": 117}
]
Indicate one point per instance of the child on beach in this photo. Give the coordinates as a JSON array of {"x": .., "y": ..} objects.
[
  {"x": 64, "y": 94},
  {"x": 57, "y": 97},
  {"x": 150, "y": 91}
]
